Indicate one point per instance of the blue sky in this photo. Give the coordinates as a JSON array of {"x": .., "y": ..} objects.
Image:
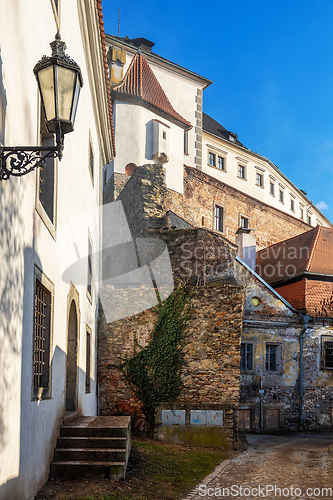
[{"x": 272, "y": 69}]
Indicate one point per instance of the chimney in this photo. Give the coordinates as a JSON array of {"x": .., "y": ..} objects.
[{"x": 246, "y": 242}]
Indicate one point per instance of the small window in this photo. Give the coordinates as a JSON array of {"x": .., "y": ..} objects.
[
  {"x": 281, "y": 196},
  {"x": 212, "y": 159},
  {"x": 41, "y": 384},
  {"x": 246, "y": 356},
  {"x": 89, "y": 283},
  {"x": 105, "y": 176},
  {"x": 272, "y": 362},
  {"x": 292, "y": 204},
  {"x": 232, "y": 138},
  {"x": 309, "y": 219},
  {"x": 327, "y": 355},
  {"x": 46, "y": 192},
  {"x": 220, "y": 162},
  {"x": 272, "y": 188},
  {"x": 164, "y": 134},
  {"x": 218, "y": 218},
  {"x": 186, "y": 142},
  {"x": 301, "y": 213},
  {"x": 88, "y": 360},
  {"x": 260, "y": 180},
  {"x": 244, "y": 222},
  {"x": 241, "y": 171},
  {"x": 91, "y": 159}
]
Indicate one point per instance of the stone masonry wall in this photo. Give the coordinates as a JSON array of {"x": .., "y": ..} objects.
[
  {"x": 201, "y": 191},
  {"x": 211, "y": 375}
]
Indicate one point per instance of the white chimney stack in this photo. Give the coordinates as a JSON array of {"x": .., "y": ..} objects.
[{"x": 246, "y": 242}]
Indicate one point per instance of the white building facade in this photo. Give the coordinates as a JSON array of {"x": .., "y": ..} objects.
[{"x": 49, "y": 221}]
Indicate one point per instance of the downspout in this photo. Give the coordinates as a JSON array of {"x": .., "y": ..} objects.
[{"x": 305, "y": 320}]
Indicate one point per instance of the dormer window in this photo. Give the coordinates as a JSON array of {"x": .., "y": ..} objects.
[{"x": 232, "y": 138}]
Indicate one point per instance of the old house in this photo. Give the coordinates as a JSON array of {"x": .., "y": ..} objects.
[
  {"x": 300, "y": 269},
  {"x": 48, "y": 310}
]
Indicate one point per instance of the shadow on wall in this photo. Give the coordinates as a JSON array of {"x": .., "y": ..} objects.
[
  {"x": 3, "y": 105},
  {"x": 149, "y": 140}
]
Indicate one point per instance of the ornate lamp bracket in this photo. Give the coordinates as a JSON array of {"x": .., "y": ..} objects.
[{"x": 18, "y": 161}]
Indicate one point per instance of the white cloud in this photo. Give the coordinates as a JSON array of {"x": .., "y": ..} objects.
[{"x": 321, "y": 205}]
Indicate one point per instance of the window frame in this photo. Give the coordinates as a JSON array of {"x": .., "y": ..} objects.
[
  {"x": 281, "y": 195},
  {"x": 278, "y": 357},
  {"x": 272, "y": 191},
  {"x": 91, "y": 159},
  {"x": 39, "y": 393},
  {"x": 211, "y": 156},
  {"x": 50, "y": 225},
  {"x": 90, "y": 269},
  {"x": 243, "y": 167},
  {"x": 243, "y": 217},
  {"x": 218, "y": 206},
  {"x": 260, "y": 178},
  {"x": 88, "y": 360},
  {"x": 244, "y": 357},
  {"x": 325, "y": 339}
]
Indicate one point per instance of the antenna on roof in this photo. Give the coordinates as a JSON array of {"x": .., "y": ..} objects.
[{"x": 119, "y": 22}]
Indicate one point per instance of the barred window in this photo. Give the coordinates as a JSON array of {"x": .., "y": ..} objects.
[
  {"x": 212, "y": 159},
  {"x": 42, "y": 340},
  {"x": 273, "y": 357},
  {"x": 88, "y": 359},
  {"x": 327, "y": 352}
]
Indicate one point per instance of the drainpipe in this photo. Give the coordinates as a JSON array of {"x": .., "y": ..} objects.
[
  {"x": 305, "y": 320},
  {"x": 261, "y": 408}
]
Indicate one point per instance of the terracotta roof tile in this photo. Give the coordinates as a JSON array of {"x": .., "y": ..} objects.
[
  {"x": 140, "y": 82},
  {"x": 294, "y": 293},
  {"x": 106, "y": 71},
  {"x": 319, "y": 298},
  {"x": 308, "y": 252}
]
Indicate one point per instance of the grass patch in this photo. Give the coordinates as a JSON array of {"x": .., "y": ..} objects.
[{"x": 155, "y": 471}]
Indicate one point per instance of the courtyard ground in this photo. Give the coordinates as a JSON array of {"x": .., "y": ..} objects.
[{"x": 274, "y": 467}]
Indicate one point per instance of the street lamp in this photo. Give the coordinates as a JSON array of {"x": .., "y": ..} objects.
[{"x": 59, "y": 80}]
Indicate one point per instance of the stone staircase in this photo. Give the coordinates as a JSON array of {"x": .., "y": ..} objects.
[{"x": 93, "y": 446}]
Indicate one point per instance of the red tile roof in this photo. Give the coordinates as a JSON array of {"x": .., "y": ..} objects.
[
  {"x": 106, "y": 71},
  {"x": 310, "y": 252},
  {"x": 294, "y": 293},
  {"x": 319, "y": 298},
  {"x": 140, "y": 82}
]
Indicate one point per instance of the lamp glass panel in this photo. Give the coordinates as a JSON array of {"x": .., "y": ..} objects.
[
  {"x": 75, "y": 99},
  {"x": 46, "y": 82},
  {"x": 66, "y": 79}
]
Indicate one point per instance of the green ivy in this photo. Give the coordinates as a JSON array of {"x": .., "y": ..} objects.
[{"x": 154, "y": 372}]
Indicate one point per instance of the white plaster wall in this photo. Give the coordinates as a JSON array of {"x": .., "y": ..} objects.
[
  {"x": 133, "y": 135},
  {"x": 28, "y": 429},
  {"x": 248, "y": 186}
]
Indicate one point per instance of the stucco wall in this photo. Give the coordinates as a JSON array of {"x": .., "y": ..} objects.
[{"x": 28, "y": 429}]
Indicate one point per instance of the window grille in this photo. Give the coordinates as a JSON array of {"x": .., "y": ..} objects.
[
  {"x": 328, "y": 355},
  {"x": 41, "y": 337},
  {"x": 246, "y": 356}
]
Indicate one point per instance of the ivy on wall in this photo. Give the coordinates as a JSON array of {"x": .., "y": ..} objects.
[{"x": 154, "y": 372}]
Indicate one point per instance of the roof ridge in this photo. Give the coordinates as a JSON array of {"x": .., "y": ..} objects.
[
  {"x": 314, "y": 244},
  {"x": 287, "y": 240}
]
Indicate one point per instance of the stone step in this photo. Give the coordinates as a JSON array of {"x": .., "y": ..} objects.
[
  {"x": 79, "y": 469},
  {"x": 92, "y": 442},
  {"x": 93, "y": 446},
  {"x": 89, "y": 455},
  {"x": 97, "y": 427}
]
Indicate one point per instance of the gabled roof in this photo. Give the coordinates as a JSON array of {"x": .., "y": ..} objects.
[
  {"x": 141, "y": 83},
  {"x": 213, "y": 127},
  {"x": 310, "y": 253}
]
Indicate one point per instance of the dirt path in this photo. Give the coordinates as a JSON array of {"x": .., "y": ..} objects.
[{"x": 274, "y": 467}]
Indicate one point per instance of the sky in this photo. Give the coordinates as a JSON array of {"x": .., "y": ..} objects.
[{"x": 271, "y": 64}]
